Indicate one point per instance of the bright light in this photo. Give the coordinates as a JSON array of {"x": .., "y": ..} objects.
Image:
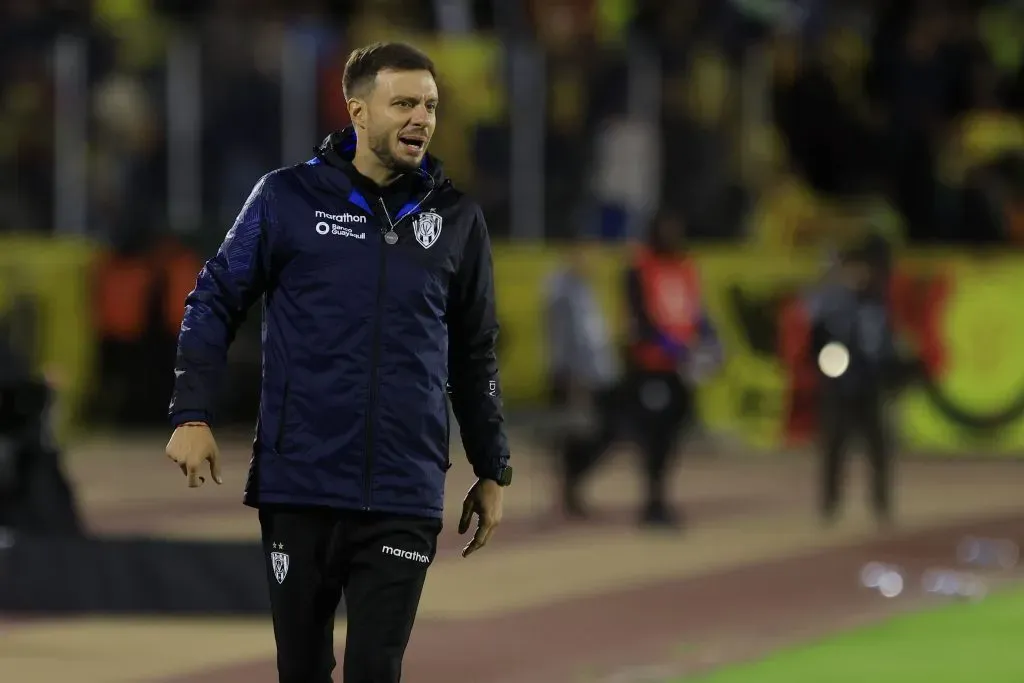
[
  {"x": 834, "y": 359},
  {"x": 891, "y": 584}
]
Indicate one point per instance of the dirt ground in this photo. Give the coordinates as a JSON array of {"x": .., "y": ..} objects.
[{"x": 552, "y": 602}]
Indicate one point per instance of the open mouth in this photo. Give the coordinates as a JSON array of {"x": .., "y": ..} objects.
[{"x": 413, "y": 145}]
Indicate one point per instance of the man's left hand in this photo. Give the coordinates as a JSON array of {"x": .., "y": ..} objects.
[{"x": 484, "y": 500}]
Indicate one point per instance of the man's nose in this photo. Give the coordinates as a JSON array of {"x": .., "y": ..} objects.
[{"x": 420, "y": 115}]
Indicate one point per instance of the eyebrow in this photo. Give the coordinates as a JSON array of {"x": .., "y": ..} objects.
[{"x": 410, "y": 98}]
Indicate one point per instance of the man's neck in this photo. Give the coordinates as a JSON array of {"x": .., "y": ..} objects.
[{"x": 370, "y": 166}]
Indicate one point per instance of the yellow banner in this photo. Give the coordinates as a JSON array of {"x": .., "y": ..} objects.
[
  {"x": 46, "y": 281},
  {"x": 973, "y": 400},
  {"x": 746, "y": 398},
  {"x": 521, "y": 273},
  {"x": 743, "y": 294}
]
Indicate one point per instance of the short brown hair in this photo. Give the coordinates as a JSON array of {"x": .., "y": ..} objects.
[{"x": 364, "y": 64}]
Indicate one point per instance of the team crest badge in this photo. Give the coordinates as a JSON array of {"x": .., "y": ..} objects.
[
  {"x": 426, "y": 227},
  {"x": 279, "y": 563}
]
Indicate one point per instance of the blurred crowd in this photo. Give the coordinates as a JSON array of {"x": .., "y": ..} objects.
[
  {"x": 786, "y": 123},
  {"x": 908, "y": 117}
]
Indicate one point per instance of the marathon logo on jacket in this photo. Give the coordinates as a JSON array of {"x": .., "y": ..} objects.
[
  {"x": 323, "y": 227},
  {"x": 405, "y": 554}
]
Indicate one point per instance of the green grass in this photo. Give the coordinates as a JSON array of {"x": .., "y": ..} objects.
[{"x": 960, "y": 643}]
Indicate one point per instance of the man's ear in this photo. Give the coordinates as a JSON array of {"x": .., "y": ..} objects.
[{"x": 357, "y": 112}]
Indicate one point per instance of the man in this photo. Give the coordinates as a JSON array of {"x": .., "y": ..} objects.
[
  {"x": 672, "y": 344},
  {"x": 378, "y": 294},
  {"x": 584, "y": 373},
  {"x": 850, "y": 313},
  {"x": 667, "y": 339}
]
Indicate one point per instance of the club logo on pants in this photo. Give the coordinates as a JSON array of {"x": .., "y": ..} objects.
[
  {"x": 427, "y": 228},
  {"x": 279, "y": 563}
]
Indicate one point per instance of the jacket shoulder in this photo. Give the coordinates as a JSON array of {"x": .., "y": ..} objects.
[
  {"x": 283, "y": 184},
  {"x": 287, "y": 178},
  {"x": 468, "y": 205},
  {"x": 464, "y": 209},
  {"x": 271, "y": 184}
]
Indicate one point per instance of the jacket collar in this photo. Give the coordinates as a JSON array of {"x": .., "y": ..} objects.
[{"x": 339, "y": 148}]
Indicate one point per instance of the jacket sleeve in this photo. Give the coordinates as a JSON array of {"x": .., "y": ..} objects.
[
  {"x": 226, "y": 288},
  {"x": 474, "y": 384}
]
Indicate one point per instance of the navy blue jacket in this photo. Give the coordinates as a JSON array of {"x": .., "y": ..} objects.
[{"x": 364, "y": 342}]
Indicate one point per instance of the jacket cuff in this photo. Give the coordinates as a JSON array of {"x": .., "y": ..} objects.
[
  {"x": 490, "y": 468},
  {"x": 181, "y": 417}
]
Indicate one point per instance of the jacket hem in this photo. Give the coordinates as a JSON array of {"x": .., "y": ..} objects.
[{"x": 266, "y": 498}]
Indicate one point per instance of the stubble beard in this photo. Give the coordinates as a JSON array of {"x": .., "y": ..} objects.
[{"x": 381, "y": 148}]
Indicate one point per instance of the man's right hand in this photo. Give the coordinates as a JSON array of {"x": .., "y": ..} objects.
[{"x": 191, "y": 445}]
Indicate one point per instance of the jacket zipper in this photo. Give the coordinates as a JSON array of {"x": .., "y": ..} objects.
[{"x": 371, "y": 413}]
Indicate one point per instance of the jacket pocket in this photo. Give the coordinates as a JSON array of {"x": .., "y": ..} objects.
[{"x": 282, "y": 420}]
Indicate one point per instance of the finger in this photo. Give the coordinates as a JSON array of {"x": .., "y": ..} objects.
[
  {"x": 215, "y": 467},
  {"x": 467, "y": 515},
  {"x": 471, "y": 548},
  {"x": 480, "y": 538},
  {"x": 194, "y": 480}
]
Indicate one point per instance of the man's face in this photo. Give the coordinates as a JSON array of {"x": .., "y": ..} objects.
[
  {"x": 399, "y": 115},
  {"x": 669, "y": 231}
]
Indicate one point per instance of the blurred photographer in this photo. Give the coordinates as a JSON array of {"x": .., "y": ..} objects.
[
  {"x": 856, "y": 353},
  {"x": 584, "y": 372}
]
